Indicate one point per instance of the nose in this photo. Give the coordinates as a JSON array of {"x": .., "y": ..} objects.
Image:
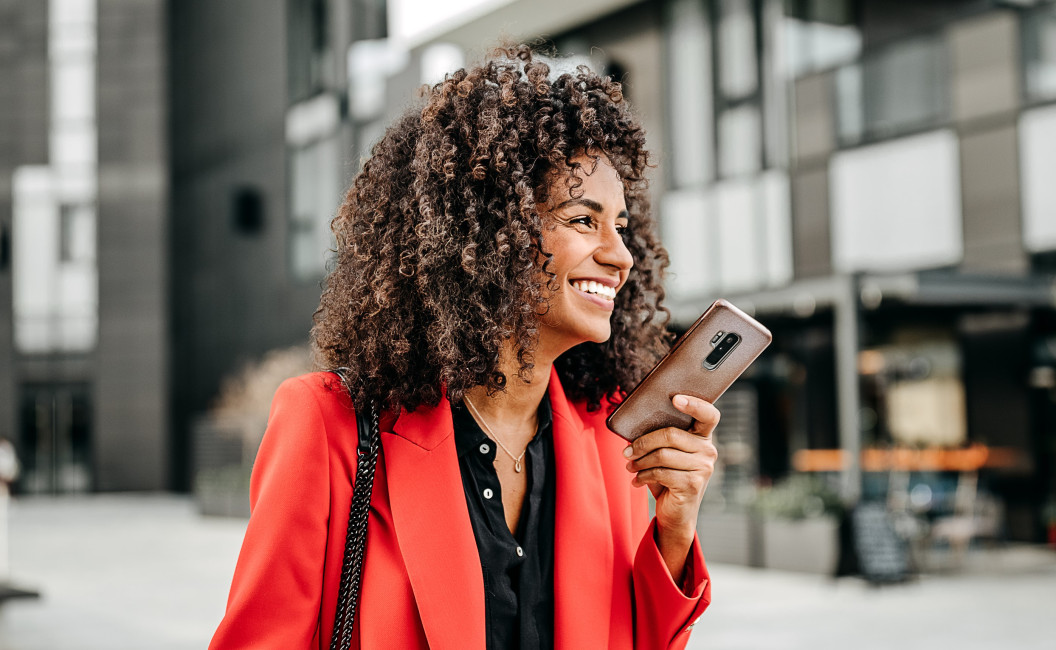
[{"x": 613, "y": 251}]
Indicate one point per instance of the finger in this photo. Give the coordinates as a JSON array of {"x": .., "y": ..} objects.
[
  {"x": 672, "y": 458},
  {"x": 705, "y": 415},
  {"x": 674, "y": 480},
  {"x": 667, "y": 437}
]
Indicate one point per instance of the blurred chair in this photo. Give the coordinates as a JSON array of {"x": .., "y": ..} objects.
[
  {"x": 907, "y": 522},
  {"x": 974, "y": 516}
]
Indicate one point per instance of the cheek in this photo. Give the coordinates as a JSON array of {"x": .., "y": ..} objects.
[{"x": 560, "y": 265}]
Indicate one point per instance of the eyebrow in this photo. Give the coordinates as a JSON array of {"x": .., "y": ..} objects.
[{"x": 591, "y": 204}]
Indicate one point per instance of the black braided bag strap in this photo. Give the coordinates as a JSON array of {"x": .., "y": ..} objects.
[{"x": 367, "y": 454}]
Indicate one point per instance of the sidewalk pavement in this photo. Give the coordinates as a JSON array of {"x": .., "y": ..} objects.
[{"x": 131, "y": 572}]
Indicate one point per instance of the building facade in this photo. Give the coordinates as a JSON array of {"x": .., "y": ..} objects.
[
  {"x": 167, "y": 175},
  {"x": 868, "y": 178},
  {"x": 83, "y": 210}
]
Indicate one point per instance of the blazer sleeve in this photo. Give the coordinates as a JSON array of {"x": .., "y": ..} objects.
[
  {"x": 278, "y": 582},
  {"x": 664, "y": 612}
]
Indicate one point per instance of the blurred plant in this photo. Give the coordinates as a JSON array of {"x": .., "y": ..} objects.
[
  {"x": 240, "y": 413},
  {"x": 798, "y": 497},
  {"x": 223, "y": 490},
  {"x": 1048, "y": 512},
  {"x": 246, "y": 394},
  {"x": 248, "y": 391},
  {"x": 230, "y": 479}
]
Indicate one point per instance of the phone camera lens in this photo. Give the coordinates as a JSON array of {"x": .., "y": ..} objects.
[{"x": 721, "y": 351}]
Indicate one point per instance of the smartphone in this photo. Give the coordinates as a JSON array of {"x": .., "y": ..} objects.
[{"x": 703, "y": 363}]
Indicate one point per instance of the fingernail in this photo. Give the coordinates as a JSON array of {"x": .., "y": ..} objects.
[
  {"x": 628, "y": 451},
  {"x": 681, "y": 401}
]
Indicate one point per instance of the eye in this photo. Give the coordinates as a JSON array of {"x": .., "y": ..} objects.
[{"x": 584, "y": 220}]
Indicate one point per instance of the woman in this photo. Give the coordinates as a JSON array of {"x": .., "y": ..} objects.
[{"x": 497, "y": 282}]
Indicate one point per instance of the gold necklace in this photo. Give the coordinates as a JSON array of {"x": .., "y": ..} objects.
[{"x": 491, "y": 434}]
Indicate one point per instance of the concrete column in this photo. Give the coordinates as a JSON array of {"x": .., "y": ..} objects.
[
  {"x": 848, "y": 396},
  {"x": 984, "y": 66},
  {"x": 985, "y": 92},
  {"x": 131, "y": 412},
  {"x": 23, "y": 141}
]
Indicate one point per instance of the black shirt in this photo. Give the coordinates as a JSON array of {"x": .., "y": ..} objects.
[{"x": 518, "y": 569}]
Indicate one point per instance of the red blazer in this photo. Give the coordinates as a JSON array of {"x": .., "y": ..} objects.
[{"x": 422, "y": 581}]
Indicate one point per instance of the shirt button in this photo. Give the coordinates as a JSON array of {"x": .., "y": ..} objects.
[
  {"x": 488, "y": 493},
  {"x": 484, "y": 448},
  {"x": 520, "y": 552}
]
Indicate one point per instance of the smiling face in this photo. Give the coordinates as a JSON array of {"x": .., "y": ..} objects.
[{"x": 583, "y": 230}]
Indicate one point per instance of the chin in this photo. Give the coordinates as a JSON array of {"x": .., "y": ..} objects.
[{"x": 599, "y": 336}]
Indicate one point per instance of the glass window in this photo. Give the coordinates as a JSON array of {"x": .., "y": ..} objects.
[
  {"x": 54, "y": 280},
  {"x": 315, "y": 194},
  {"x": 895, "y": 90},
  {"x": 438, "y": 60},
  {"x": 72, "y": 145},
  {"x": 738, "y": 76},
  {"x": 73, "y": 90},
  {"x": 689, "y": 92},
  {"x": 777, "y": 219},
  {"x": 904, "y": 84},
  {"x": 64, "y": 12},
  {"x": 53, "y": 248},
  {"x": 308, "y": 48},
  {"x": 76, "y": 233},
  {"x": 371, "y": 19},
  {"x": 739, "y": 243},
  {"x": 896, "y": 205},
  {"x": 740, "y": 141},
  {"x": 1039, "y": 53},
  {"x": 850, "y": 116},
  {"x": 687, "y": 228},
  {"x": 1037, "y": 160},
  {"x": 818, "y": 34},
  {"x": 752, "y": 232},
  {"x": 370, "y": 65}
]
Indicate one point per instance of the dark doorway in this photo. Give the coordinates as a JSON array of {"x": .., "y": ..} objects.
[{"x": 54, "y": 445}]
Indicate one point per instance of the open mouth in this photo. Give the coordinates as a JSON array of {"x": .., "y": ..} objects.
[{"x": 595, "y": 289}]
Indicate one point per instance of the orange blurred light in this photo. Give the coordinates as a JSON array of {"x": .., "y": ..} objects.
[{"x": 967, "y": 459}]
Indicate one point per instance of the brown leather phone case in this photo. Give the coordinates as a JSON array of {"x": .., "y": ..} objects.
[{"x": 690, "y": 369}]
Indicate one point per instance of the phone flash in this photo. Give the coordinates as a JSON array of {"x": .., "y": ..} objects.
[{"x": 718, "y": 335}]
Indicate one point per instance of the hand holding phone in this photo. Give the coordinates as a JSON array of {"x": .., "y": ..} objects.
[{"x": 715, "y": 350}]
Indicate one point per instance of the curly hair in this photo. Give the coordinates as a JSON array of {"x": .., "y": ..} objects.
[{"x": 439, "y": 240}]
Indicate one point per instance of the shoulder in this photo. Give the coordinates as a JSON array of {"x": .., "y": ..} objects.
[
  {"x": 312, "y": 404},
  {"x": 315, "y": 390}
]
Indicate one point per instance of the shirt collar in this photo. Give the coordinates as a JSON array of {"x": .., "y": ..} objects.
[{"x": 469, "y": 435}]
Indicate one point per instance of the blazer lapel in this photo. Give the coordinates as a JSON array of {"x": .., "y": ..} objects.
[
  {"x": 432, "y": 525},
  {"x": 583, "y": 547}
]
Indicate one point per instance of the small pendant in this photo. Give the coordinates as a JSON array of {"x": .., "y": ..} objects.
[{"x": 517, "y": 466}]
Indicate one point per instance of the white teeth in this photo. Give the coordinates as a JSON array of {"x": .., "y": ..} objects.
[{"x": 589, "y": 286}]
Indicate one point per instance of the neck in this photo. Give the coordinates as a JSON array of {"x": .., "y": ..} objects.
[{"x": 514, "y": 409}]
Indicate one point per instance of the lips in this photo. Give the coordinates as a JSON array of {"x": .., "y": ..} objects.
[
  {"x": 596, "y": 288},
  {"x": 600, "y": 291}
]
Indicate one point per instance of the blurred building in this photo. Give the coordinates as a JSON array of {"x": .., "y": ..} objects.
[
  {"x": 261, "y": 155},
  {"x": 870, "y": 177},
  {"x": 84, "y": 190},
  {"x": 167, "y": 174}
]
